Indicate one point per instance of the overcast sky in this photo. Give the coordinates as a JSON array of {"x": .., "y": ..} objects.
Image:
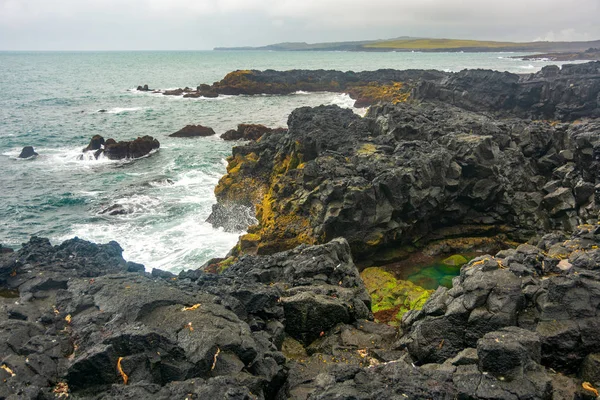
[{"x": 204, "y": 24}]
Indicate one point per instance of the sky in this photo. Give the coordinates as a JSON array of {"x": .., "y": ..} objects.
[{"x": 204, "y": 24}]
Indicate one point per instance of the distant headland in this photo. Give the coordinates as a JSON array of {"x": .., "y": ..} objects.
[{"x": 406, "y": 43}]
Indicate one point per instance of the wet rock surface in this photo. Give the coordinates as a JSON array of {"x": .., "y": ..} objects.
[
  {"x": 89, "y": 323},
  {"x": 114, "y": 150}
]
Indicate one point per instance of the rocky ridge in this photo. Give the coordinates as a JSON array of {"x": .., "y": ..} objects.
[{"x": 566, "y": 93}]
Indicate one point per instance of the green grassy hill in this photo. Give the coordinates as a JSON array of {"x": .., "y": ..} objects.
[{"x": 426, "y": 44}]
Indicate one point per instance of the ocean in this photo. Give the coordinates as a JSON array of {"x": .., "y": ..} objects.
[{"x": 51, "y": 100}]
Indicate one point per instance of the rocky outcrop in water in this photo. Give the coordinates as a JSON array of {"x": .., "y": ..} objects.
[
  {"x": 193, "y": 131},
  {"x": 27, "y": 152},
  {"x": 410, "y": 174},
  {"x": 77, "y": 319},
  {"x": 114, "y": 150},
  {"x": 248, "y": 132}
]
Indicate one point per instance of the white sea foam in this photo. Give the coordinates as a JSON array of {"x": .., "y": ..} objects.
[
  {"x": 119, "y": 110},
  {"x": 132, "y": 206},
  {"x": 527, "y": 66},
  {"x": 185, "y": 244},
  {"x": 301, "y": 92},
  {"x": 343, "y": 100}
]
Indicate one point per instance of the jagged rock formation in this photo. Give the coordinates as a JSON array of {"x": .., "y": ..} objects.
[
  {"x": 565, "y": 94},
  {"x": 86, "y": 320},
  {"x": 114, "y": 150},
  {"x": 77, "y": 319},
  {"x": 409, "y": 174}
]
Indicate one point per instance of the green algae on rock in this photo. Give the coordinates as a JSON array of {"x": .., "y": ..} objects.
[
  {"x": 455, "y": 260},
  {"x": 391, "y": 298}
]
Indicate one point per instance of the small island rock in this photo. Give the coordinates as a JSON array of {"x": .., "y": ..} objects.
[
  {"x": 193, "y": 131},
  {"x": 28, "y": 152}
]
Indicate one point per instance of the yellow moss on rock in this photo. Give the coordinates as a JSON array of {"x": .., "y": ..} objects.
[
  {"x": 238, "y": 186},
  {"x": 374, "y": 92},
  {"x": 367, "y": 149}
]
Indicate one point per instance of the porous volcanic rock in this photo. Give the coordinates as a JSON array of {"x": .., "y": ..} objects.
[
  {"x": 410, "y": 173},
  {"x": 88, "y": 323},
  {"x": 193, "y": 131},
  {"x": 514, "y": 326},
  {"x": 566, "y": 94},
  {"x": 78, "y": 319},
  {"x": 134, "y": 149}
]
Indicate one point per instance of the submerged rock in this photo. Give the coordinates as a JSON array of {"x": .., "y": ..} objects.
[
  {"x": 27, "y": 152},
  {"x": 231, "y": 217}
]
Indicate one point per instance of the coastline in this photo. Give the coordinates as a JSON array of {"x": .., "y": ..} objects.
[{"x": 476, "y": 154}]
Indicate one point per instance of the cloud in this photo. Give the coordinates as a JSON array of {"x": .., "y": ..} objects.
[{"x": 83, "y": 24}]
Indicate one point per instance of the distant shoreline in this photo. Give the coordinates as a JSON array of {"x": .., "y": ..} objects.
[{"x": 407, "y": 44}]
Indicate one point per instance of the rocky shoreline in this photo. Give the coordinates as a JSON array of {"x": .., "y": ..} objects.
[
  {"x": 461, "y": 162},
  {"x": 591, "y": 54},
  {"x": 565, "y": 94}
]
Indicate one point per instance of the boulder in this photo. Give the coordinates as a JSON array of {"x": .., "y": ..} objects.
[
  {"x": 27, "y": 152},
  {"x": 507, "y": 353},
  {"x": 143, "y": 88},
  {"x": 246, "y": 132},
  {"x": 96, "y": 143},
  {"x": 193, "y": 131},
  {"x": 139, "y": 147}
]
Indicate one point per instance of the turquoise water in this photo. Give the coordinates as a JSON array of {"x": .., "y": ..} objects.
[{"x": 50, "y": 100}]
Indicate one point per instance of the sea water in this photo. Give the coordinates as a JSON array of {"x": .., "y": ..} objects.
[{"x": 52, "y": 101}]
